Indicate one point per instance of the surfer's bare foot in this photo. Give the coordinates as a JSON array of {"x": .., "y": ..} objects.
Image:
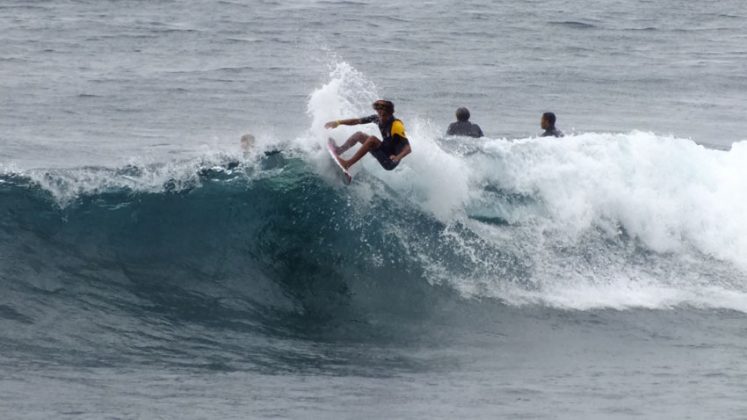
[
  {"x": 337, "y": 149},
  {"x": 345, "y": 164}
]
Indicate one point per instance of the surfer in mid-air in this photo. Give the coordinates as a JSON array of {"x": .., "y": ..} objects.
[{"x": 392, "y": 147}]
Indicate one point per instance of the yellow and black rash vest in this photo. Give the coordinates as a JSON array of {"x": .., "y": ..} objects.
[{"x": 393, "y": 136}]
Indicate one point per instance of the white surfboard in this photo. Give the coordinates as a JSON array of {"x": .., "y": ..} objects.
[{"x": 331, "y": 147}]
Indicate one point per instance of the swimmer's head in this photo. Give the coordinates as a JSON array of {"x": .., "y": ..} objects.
[
  {"x": 462, "y": 114},
  {"x": 548, "y": 121},
  {"x": 247, "y": 141}
]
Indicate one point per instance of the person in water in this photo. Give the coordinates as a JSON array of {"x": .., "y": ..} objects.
[
  {"x": 548, "y": 124},
  {"x": 392, "y": 147},
  {"x": 269, "y": 159},
  {"x": 247, "y": 142},
  {"x": 462, "y": 126}
]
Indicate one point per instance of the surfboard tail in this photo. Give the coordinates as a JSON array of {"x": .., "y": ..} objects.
[{"x": 332, "y": 148}]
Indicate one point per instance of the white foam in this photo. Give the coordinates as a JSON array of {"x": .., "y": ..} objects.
[
  {"x": 668, "y": 193},
  {"x": 624, "y": 294},
  {"x": 680, "y": 201},
  {"x": 66, "y": 185}
]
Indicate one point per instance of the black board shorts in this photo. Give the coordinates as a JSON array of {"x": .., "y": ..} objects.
[{"x": 382, "y": 154}]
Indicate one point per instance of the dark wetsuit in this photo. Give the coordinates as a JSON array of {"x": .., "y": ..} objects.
[
  {"x": 393, "y": 140},
  {"x": 552, "y": 132},
  {"x": 464, "y": 128}
]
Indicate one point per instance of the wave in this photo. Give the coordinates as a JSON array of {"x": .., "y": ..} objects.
[
  {"x": 273, "y": 243},
  {"x": 592, "y": 221}
]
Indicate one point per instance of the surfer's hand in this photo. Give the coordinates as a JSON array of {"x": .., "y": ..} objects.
[
  {"x": 332, "y": 124},
  {"x": 394, "y": 159}
]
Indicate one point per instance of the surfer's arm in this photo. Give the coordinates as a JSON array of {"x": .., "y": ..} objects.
[
  {"x": 405, "y": 151},
  {"x": 350, "y": 121},
  {"x": 398, "y": 134}
]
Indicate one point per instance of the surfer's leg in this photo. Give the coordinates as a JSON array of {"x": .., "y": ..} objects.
[
  {"x": 370, "y": 143},
  {"x": 359, "y": 137}
]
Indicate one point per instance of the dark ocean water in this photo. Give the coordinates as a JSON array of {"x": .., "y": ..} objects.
[{"x": 149, "y": 269}]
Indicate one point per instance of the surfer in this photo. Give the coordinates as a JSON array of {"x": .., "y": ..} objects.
[
  {"x": 392, "y": 147},
  {"x": 462, "y": 126},
  {"x": 548, "y": 124}
]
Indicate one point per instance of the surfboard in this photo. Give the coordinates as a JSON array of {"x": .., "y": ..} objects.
[{"x": 331, "y": 148}]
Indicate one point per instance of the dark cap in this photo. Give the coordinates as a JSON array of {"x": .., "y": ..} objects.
[
  {"x": 385, "y": 105},
  {"x": 462, "y": 114},
  {"x": 550, "y": 117}
]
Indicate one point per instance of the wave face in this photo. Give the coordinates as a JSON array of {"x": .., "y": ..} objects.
[{"x": 273, "y": 245}]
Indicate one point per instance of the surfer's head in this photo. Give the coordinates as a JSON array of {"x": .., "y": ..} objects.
[
  {"x": 548, "y": 121},
  {"x": 462, "y": 114},
  {"x": 383, "y": 107}
]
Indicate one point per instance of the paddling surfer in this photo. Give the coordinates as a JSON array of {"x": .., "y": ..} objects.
[{"x": 462, "y": 126}]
